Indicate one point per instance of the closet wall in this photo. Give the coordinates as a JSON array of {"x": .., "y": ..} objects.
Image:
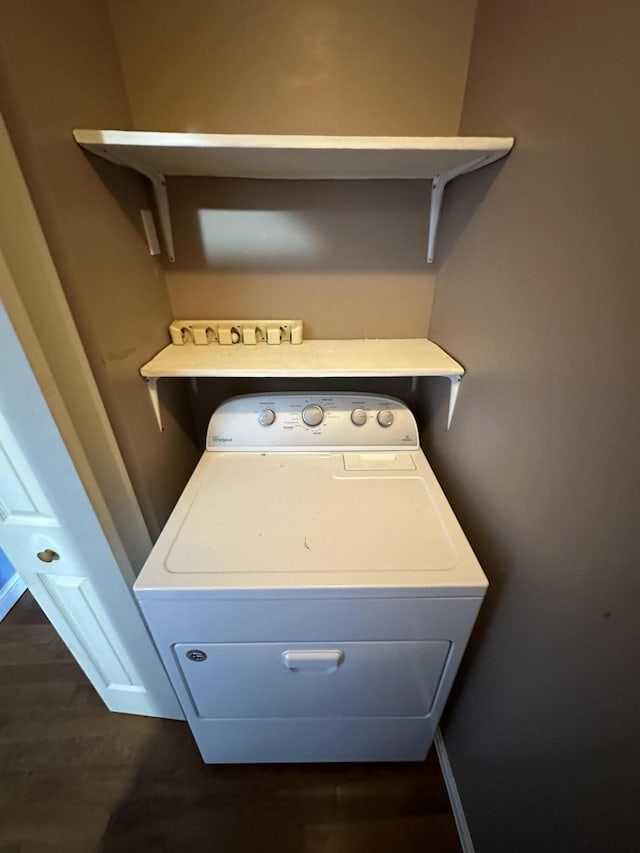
[
  {"x": 348, "y": 258},
  {"x": 295, "y": 66},
  {"x": 59, "y": 69},
  {"x": 538, "y": 297}
]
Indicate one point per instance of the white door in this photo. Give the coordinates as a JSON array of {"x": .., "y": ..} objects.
[{"x": 50, "y": 533}]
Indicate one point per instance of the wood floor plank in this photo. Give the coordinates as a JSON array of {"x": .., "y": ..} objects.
[{"x": 400, "y": 835}]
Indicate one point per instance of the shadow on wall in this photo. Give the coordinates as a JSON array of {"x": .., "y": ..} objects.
[
  {"x": 430, "y": 411},
  {"x": 129, "y": 199},
  {"x": 263, "y": 226},
  {"x": 212, "y": 392},
  {"x": 305, "y": 226},
  {"x": 431, "y": 408},
  {"x": 462, "y": 200}
]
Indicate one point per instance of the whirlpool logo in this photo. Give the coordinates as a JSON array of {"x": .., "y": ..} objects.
[{"x": 221, "y": 439}]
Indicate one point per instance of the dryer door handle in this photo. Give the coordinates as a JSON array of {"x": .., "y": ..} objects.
[{"x": 313, "y": 660}]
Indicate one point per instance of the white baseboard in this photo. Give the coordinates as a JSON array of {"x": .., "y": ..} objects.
[
  {"x": 10, "y": 593},
  {"x": 454, "y": 797}
]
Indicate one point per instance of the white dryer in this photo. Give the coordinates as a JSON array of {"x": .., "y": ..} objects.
[{"x": 312, "y": 593}]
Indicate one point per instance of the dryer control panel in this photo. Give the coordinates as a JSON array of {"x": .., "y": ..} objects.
[{"x": 313, "y": 421}]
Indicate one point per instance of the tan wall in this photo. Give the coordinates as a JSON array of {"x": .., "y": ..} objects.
[
  {"x": 349, "y": 258},
  {"x": 59, "y": 71},
  {"x": 295, "y": 66},
  {"x": 299, "y": 67},
  {"x": 539, "y": 298},
  {"x": 356, "y": 264}
]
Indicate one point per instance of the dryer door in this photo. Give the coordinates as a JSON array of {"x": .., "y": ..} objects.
[{"x": 355, "y": 679}]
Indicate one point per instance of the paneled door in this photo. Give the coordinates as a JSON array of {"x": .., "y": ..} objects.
[{"x": 50, "y": 533}]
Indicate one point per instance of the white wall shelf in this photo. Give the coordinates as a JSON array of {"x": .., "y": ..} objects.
[
  {"x": 313, "y": 359},
  {"x": 156, "y": 155}
]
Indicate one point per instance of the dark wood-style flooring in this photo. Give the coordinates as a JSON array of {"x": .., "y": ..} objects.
[{"x": 74, "y": 777}]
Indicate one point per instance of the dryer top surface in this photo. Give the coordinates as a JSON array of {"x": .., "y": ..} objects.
[{"x": 295, "y": 521}]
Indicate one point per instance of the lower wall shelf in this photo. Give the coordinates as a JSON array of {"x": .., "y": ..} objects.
[{"x": 313, "y": 358}]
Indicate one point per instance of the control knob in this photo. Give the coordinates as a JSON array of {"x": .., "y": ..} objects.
[
  {"x": 313, "y": 415},
  {"x": 266, "y": 417},
  {"x": 358, "y": 417},
  {"x": 385, "y": 417}
]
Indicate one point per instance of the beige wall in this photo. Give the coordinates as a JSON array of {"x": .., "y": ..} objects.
[
  {"x": 356, "y": 264},
  {"x": 538, "y": 296},
  {"x": 295, "y": 66},
  {"x": 349, "y": 258},
  {"x": 355, "y": 260},
  {"x": 59, "y": 71}
]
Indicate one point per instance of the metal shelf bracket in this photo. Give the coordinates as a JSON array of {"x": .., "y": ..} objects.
[
  {"x": 454, "y": 388},
  {"x": 438, "y": 184},
  {"x": 152, "y": 388},
  {"x": 159, "y": 184}
]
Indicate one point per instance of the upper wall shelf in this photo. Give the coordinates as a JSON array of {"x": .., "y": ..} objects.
[
  {"x": 156, "y": 155},
  {"x": 313, "y": 358}
]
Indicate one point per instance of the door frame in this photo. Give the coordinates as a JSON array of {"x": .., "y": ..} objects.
[
  {"x": 10, "y": 592},
  {"x": 35, "y": 302}
]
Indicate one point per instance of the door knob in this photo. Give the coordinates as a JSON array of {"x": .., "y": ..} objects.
[{"x": 48, "y": 555}]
